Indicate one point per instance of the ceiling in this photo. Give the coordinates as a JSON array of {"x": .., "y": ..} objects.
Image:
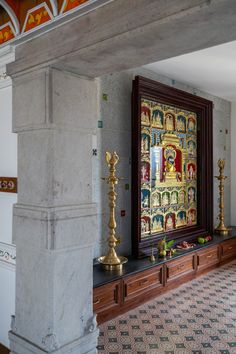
[{"x": 212, "y": 70}]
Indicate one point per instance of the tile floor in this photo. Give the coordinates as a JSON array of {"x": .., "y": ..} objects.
[{"x": 199, "y": 317}]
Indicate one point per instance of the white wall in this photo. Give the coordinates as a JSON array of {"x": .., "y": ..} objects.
[
  {"x": 8, "y": 167},
  {"x": 233, "y": 164}
]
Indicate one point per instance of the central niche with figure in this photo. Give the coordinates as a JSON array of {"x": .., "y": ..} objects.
[{"x": 166, "y": 135}]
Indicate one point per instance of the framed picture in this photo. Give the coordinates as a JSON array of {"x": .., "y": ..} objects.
[{"x": 172, "y": 180}]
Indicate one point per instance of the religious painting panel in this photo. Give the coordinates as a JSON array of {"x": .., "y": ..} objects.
[{"x": 168, "y": 128}]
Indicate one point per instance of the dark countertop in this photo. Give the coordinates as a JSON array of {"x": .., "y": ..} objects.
[{"x": 134, "y": 265}]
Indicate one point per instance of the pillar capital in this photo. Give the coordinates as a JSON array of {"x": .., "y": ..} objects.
[{"x": 7, "y": 55}]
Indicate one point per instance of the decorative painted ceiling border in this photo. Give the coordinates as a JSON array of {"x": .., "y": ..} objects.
[
  {"x": 7, "y": 31},
  {"x": 71, "y": 5},
  {"x": 7, "y": 255},
  {"x": 12, "y": 15},
  {"x": 35, "y": 15},
  {"x": 58, "y": 16},
  {"x": 54, "y": 5}
]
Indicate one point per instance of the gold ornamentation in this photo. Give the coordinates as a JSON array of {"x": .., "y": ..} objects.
[
  {"x": 111, "y": 261},
  {"x": 221, "y": 228}
]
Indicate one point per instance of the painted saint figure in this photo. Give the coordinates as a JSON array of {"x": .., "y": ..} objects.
[
  {"x": 157, "y": 224},
  {"x": 191, "y": 124},
  {"x": 191, "y": 173},
  {"x": 145, "y": 115},
  {"x": 145, "y": 144},
  {"x": 174, "y": 198},
  {"x": 181, "y": 219},
  {"x": 169, "y": 223},
  {"x": 181, "y": 121},
  {"x": 145, "y": 172},
  {"x": 165, "y": 199},
  {"x": 191, "y": 195},
  {"x": 145, "y": 198},
  {"x": 169, "y": 122},
  {"x": 181, "y": 197},
  {"x": 155, "y": 200},
  {"x": 170, "y": 156},
  {"x": 157, "y": 119}
]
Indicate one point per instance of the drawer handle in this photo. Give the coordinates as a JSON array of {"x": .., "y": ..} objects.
[
  {"x": 209, "y": 256},
  {"x": 142, "y": 282},
  {"x": 97, "y": 302},
  {"x": 125, "y": 292},
  {"x": 180, "y": 266},
  {"x": 230, "y": 248},
  {"x": 116, "y": 292},
  {"x": 167, "y": 273}
]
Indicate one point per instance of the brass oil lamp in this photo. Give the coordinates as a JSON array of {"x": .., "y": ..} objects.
[
  {"x": 111, "y": 261},
  {"x": 221, "y": 228}
]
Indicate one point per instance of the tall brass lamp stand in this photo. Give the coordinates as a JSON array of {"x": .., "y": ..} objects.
[
  {"x": 221, "y": 228},
  {"x": 111, "y": 261}
]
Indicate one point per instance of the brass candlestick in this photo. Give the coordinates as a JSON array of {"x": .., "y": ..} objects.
[
  {"x": 221, "y": 228},
  {"x": 111, "y": 261}
]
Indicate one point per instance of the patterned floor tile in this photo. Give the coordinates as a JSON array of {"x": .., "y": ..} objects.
[{"x": 197, "y": 318}]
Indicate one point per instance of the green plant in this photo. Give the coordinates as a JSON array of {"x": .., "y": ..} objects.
[{"x": 169, "y": 243}]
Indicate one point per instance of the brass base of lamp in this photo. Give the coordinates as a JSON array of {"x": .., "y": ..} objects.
[
  {"x": 110, "y": 266},
  {"x": 224, "y": 231}
]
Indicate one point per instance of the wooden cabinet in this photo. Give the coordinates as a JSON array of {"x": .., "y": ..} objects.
[
  {"x": 228, "y": 249},
  {"x": 129, "y": 291},
  {"x": 107, "y": 298},
  {"x": 144, "y": 283},
  {"x": 207, "y": 257},
  {"x": 180, "y": 267}
]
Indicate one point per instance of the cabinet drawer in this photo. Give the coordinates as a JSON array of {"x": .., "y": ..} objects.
[
  {"x": 142, "y": 282},
  {"x": 180, "y": 267},
  {"x": 106, "y": 296},
  {"x": 207, "y": 257},
  {"x": 228, "y": 249}
]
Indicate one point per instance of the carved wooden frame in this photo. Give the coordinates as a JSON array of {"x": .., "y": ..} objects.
[{"x": 149, "y": 89}]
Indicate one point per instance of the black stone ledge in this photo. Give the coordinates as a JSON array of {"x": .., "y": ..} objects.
[{"x": 101, "y": 276}]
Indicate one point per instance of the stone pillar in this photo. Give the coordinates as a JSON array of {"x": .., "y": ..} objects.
[{"x": 55, "y": 222}]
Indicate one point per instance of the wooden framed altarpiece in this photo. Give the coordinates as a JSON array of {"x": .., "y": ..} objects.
[{"x": 172, "y": 180}]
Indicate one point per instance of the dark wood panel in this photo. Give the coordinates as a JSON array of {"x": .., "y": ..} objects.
[
  {"x": 119, "y": 296},
  {"x": 4, "y": 350},
  {"x": 143, "y": 282},
  {"x": 228, "y": 249},
  {"x": 207, "y": 258},
  {"x": 180, "y": 267},
  {"x": 152, "y": 90},
  {"x": 106, "y": 296}
]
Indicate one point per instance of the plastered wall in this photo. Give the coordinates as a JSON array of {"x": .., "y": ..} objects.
[{"x": 8, "y": 167}]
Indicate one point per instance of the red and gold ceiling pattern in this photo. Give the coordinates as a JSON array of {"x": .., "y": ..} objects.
[
  {"x": 21, "y": 16},
  {"x": 6, "y": 33},
  {"x": 71, "y": 4}
]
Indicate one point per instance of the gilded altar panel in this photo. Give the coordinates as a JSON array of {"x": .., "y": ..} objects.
[{"x": 168, "y": 168}]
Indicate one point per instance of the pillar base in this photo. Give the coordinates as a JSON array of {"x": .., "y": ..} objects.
[{"x": 84, "y": 345}]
